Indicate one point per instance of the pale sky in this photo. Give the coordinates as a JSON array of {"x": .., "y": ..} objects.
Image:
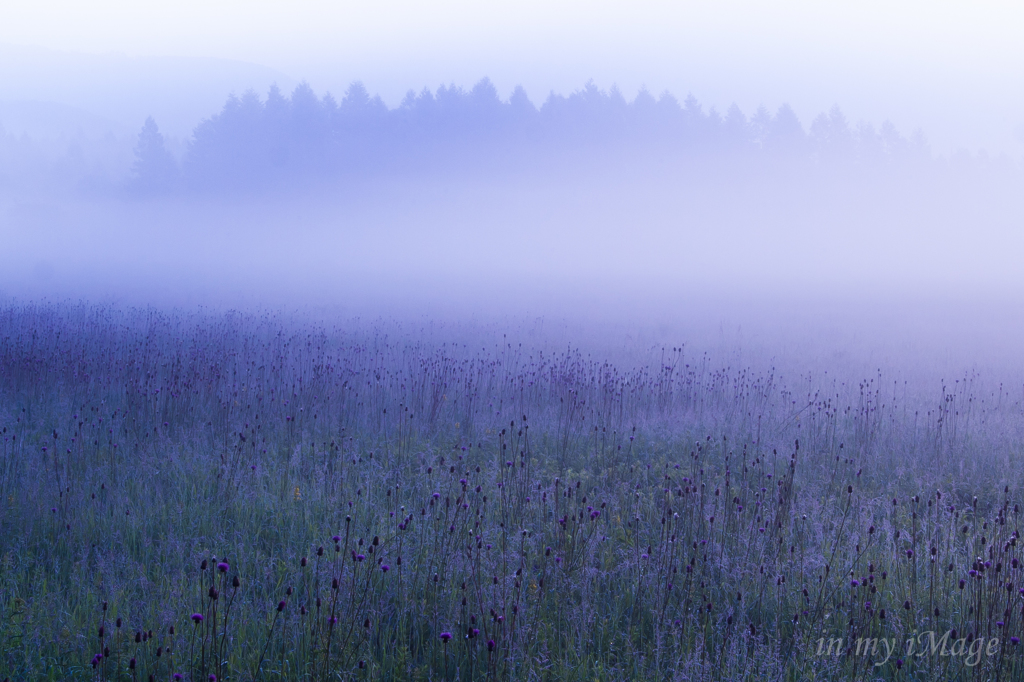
[{"x": 953, "y": 69}]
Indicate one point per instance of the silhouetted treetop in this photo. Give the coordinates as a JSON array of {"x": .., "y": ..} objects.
[
  {"x": 154, "y": 168},
  {"x": 254, "y": 142}
]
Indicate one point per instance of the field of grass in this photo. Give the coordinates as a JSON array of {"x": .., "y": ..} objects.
[{"x": 237, "y": 498}]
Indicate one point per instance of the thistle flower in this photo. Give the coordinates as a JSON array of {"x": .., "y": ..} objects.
[
  {"x": 197, "y": 618},
  {"x": 445, "y": 636}
]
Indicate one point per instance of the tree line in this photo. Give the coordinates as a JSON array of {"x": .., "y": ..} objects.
[{"x": 256, "y": 142}]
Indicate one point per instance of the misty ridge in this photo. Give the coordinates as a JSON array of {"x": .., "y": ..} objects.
[
  {"x": 459, "y": 200},
  {"x": 280, "y": 141}
]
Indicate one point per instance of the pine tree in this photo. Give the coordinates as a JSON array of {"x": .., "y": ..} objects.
[{"x": 154, "y": 170}]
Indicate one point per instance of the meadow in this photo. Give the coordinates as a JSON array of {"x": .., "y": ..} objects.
[{"x": 240, "y": 497}]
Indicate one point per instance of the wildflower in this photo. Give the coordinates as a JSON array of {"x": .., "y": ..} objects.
[
  {"x": 197, "y": 618},
  {"x": 223, "y": 567},
  {"x": 445, "y": 636}
]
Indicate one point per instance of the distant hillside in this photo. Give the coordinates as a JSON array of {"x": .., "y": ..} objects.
[{"x": 178, "y": 91}]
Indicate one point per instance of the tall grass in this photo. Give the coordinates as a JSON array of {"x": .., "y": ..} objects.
[{"x": 239, "y": 498}]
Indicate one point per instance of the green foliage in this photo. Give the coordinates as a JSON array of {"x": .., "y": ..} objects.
[{"x": 635, "y": 524}]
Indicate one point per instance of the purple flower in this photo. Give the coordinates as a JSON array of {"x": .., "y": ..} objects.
[
  {"x": 223, "y": 567},
  {"x": 197, "y": 618},
  {"x": 385, "y": 568},
  {"x": 854, "y": 583},
  {"x": 445, "y": 636},
  {"x": 1015, "y": 641}
]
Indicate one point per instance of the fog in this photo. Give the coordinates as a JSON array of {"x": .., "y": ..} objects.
[{"x": 792, "y": 188}]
